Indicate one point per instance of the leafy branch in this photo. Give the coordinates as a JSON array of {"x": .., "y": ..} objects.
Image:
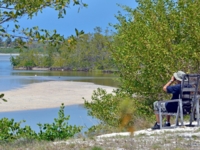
[
  {"x": 1, "y": 97},
  {"x": 14, "y": 10}
]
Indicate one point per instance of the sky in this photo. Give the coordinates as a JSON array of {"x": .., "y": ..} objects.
[{"x": 99, "y": 13}]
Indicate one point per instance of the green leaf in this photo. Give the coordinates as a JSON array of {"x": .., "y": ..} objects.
[
  {"x": 4, "y": 100},
  {"x": 2, "y": 30},
  {"x": 76, "y": 32},
  {"x": 2, "y": 95},
  {"x": 17, "y": 26}
]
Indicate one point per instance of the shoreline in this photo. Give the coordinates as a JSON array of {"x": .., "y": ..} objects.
[
  {"x": 49, "y": 95},
  {"x": 7, "y": 54}
]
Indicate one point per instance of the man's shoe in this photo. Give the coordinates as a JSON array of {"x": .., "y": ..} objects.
[
  {"x": 156, "y": 126},
  {"x": 167, "y": 124}
]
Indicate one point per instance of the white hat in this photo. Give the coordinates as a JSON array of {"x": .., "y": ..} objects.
[{"x": 179, "y": 75}]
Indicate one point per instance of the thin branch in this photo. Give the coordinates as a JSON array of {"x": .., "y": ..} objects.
[
  {"x": 6, "y": 20},
  {"x": 28, "y": 38},
  {"x": 2, "y": 34}
]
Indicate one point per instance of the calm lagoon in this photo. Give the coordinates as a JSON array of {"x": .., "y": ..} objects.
[{"x": 10, "y": 79}]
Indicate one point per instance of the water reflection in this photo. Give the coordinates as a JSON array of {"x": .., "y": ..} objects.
[{"x": 10, "y": 78}]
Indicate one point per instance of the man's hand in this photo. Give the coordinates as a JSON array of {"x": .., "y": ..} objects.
[
  {"x": 168, "y": 83},
  {"x": 172, "y": 79}
]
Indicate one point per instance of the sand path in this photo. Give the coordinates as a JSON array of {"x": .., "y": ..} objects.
[{"x": 49, "y": 95}]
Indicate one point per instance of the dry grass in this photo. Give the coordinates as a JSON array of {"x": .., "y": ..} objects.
[{"x": 168, "y": 140}]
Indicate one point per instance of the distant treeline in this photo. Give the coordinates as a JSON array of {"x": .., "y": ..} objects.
[
  {"x": 8, "y": 50},
  {"x": 89, "y": 52},
  {"x": 10, "y": 45}
]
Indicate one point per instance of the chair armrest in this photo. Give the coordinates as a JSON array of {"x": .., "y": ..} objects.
[{"x": 170, "y": 101}]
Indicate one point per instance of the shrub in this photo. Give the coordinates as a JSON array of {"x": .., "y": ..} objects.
[
  {"x": 59, "y": 129},
  {"x": 11, "y": 130},
  {"x": 115, "y": 110}
]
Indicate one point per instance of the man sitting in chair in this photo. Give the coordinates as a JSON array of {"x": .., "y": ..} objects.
[{"x": 169, "y": 107}]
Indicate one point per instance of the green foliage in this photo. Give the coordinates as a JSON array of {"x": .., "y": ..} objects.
[
  {"x": 12, "y": 11},
  {"x": 126, "y": 112},
  {"x": 8, "y": 50},
  {"x": 11, "y": 130},
  {"x": 117, "y": 109},
  {"x": 59, "y": 129},
  {"x": 157, "y": 39},
  {"x": 84, "y": 52},
  {"x": 27, "y": 59},
  {"x": 14, "y": 61},
  {"x": 3, "y": 99},
  {"x": 103, "y": 107}
]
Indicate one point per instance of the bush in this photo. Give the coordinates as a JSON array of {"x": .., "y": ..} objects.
[
  {"x": 59, "y": 129},
  {"x": 11, "y": 130},
  {"x": 116, "y": 111}
]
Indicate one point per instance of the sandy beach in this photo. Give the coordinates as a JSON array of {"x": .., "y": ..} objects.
[{"x": 49, "y": 95}]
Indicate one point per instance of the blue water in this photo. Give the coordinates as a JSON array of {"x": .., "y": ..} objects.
[
  {"x": 78, "y": 116},
  {"x": 10, "y": 79}
]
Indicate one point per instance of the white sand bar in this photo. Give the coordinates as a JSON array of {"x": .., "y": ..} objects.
[{"x": 49, "y": 95}]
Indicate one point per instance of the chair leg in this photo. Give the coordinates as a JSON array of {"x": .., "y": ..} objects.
[
  {"x": 160, "y": 116},
  {"x": 192, "y": 112},
  {"x": 191, "y": 118},
  {"x": 197, "y": 111},
  {"x": 181, "y": 111},
  {"x": 177, "y": 116}
]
